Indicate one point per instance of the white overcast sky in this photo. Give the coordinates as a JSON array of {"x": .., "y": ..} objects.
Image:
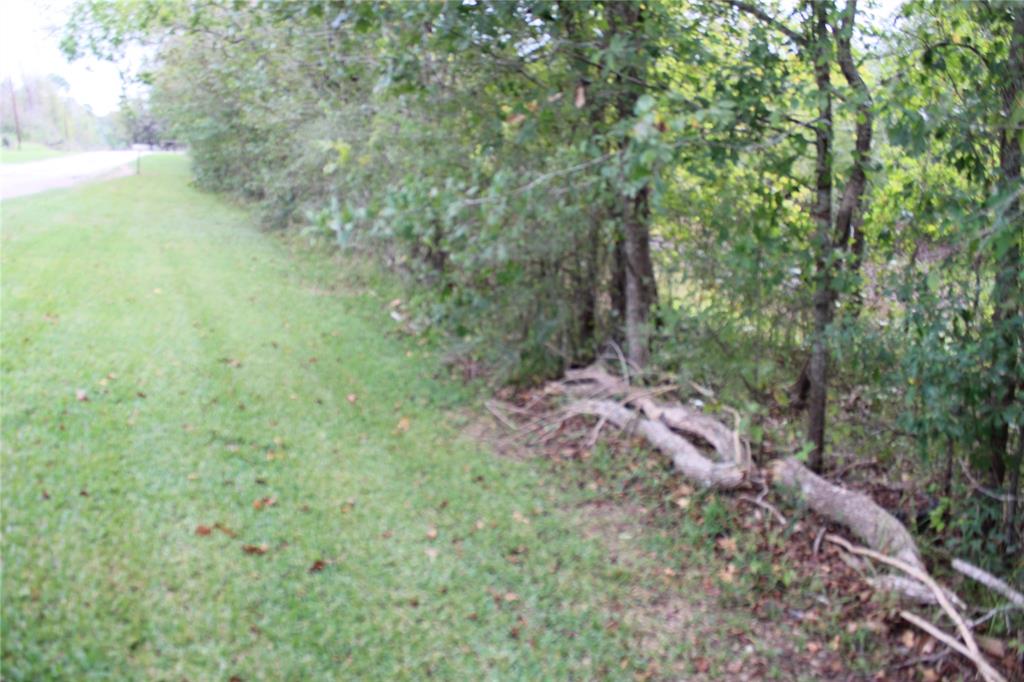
[
  {"x": 29, "y": 45},
  {"x": 30, "y": 38}
]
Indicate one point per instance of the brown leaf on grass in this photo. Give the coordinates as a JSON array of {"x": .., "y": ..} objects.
[
  {"x": 203, "y": 530},
  {"x": 318, "y": 566},
  {"x": 81, "y": 396},
  {"x": 432, "y": 533},
  {"x": 264, "y": 502},
  {"x": 511, "y": 597},
  {"x": 701, "y": 665},
  {"x": 255, "y": 549},
  {"x": 403, "y": 425},
  {"x": 349, "y": 505},
  {"x": 727, "y": 544}
]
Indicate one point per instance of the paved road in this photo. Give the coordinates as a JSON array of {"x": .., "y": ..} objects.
[{"x": 19, "y": 179}]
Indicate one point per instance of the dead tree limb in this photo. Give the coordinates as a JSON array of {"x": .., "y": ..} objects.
[
  {"x": 877, "y": 528},
  {"x": 990, "y": 581},
  {"x": 986, "y": 670},
  {"x": 686, "y": 458},
  {"x": 941, "y": 594}
]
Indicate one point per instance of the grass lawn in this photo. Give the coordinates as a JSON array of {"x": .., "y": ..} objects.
[
  {"x": 30, "y": 151},
  {"x": 219, "y": 463}
]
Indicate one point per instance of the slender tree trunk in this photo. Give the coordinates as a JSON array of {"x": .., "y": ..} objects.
[
  {"x": 638, "y": 290},
  {"x": 824, "y": 295},
  {"x": 14, "y": 108},
  {"x": 641, "y": 291},
  {"x": 848, "y": 233},
  {"x": 1007, "y": 295}
]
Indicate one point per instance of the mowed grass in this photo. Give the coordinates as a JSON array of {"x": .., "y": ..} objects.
[
  {"x": 29, "y": 151},
  {"x": 217, "y": 366}
]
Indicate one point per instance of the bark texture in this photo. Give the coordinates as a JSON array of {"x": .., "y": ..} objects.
[{"x": 877, "y": 528}]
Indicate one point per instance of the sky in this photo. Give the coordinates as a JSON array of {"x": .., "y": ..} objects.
[{"x": 29, "y": 44}]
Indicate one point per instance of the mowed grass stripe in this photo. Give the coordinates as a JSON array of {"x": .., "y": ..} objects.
[{"x": 217, "y": 373}]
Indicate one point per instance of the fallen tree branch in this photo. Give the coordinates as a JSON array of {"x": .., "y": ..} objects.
[
  {"x": 595, "y": 382},
  {"x": 909, "y": 588},
  {"x": 921, "y": 575},
  {"x": 876, "y": 527},
  {"x": 686, "y": 458},
  {"x": 986, "y": 670},
  {"x": 990, "y": 581}
]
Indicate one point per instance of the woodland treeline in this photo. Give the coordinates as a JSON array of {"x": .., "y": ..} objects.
[
  {"x": 809, "y": 208},
  {"x": 40, "y": 109}
]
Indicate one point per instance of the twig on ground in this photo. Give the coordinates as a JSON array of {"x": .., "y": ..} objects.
[
  {"x": 596, "y": 432},
  {"x": 766, "y": 506},
  {"x": 817, "y": 540},
  {"x": 493, "y": 409},
  {"x": 990, "y": 581},
  {"x": 918, "y": 660},
  {"x": 941, "y": 595},
  {"x": 989, "y": 673}
]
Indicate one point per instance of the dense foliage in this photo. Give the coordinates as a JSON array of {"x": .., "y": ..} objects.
[{"x": 778, "y": 203}]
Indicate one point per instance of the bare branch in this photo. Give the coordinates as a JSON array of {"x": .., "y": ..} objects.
[{"x": 768, "y": 19}]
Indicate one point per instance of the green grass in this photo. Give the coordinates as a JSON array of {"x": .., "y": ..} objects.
[
  {"x": 29, "y": 151},
  {"x": 217, "y": 362}
]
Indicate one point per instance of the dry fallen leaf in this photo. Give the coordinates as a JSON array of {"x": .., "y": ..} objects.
[
  {"x": 519, "y": 518},
  {"x": 432, "y": 534},
  {"x": 683, "y": 502},
  {"x": 203, "y": 530},
  {"x": 255, "y": 549},
  {"x": 727, "y": 544},
  {"x": 403, "y": 425},
  {"x": 264, "y": 502},
  {"x": 727, "y": 574},
  {"x": 511, "y": 597},
  {"x": 318, "y": 566}
]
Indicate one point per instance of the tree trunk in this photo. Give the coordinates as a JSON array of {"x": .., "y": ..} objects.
[
  {"x": 824, "y": 294},
  {"x": 14, "y": 109},
  {"x": 848, "y": 233},
  {"x": 637, "y": 283},
  {"x": 1007, "y": 295},
  {"x": 641, "y": 290}
]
